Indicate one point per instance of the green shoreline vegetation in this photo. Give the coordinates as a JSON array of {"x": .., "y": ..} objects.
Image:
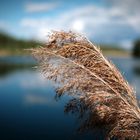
[
  {"x": 136, "y": 49},
  {"x": 12, "y": 46}
]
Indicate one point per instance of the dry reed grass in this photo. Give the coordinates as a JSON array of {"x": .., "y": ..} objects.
[{"x": 95, "y": 83}]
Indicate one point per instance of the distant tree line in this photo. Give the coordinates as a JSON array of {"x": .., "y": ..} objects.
[
  {"x": 12, "y": 44},
  {"x": 9, "y": 42},
  {"x": 136, "y": 49}
]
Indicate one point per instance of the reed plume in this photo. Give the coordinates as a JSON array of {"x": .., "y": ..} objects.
[{"x": 81, "y": 70}]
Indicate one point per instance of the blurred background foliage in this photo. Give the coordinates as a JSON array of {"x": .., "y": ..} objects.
[
  {"x": 10, "y": 45},
  {"x": 136, "y": 48}
]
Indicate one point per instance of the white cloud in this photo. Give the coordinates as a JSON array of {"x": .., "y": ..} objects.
[
  {"x": 104, "y": 24},
  {"x": 127, "y": 5},
  {"x": 39, "y": 7},
  {"x": 78, "y": 25}
]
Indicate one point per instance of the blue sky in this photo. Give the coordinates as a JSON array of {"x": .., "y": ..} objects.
[{"x": 103, "y": 21}]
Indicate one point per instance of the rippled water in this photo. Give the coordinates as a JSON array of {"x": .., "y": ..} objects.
[{"x": 28, "y": 110}]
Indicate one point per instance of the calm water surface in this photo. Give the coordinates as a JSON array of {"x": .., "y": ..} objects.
[{"x": 28, "y": 110}]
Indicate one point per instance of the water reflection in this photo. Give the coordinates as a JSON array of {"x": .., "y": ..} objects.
[
  {"x": 15, "y": 63},
  {"x": 28, "y": 109},
  {"x": 6, "y": 69},
  {"x": 137, "y": 69}
]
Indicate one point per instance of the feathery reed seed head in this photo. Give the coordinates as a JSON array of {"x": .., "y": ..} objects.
[{"x": 95, "y": 83}]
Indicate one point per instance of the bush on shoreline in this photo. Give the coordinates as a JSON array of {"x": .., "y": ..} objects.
[{"x": 136, "y": 49}]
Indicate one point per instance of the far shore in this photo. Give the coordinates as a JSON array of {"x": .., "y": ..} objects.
[{"x": 108, "y": 53}]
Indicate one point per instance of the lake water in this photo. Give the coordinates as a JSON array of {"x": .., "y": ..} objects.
[{"x": 28, "y": 110}]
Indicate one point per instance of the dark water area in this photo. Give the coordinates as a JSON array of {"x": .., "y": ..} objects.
[{"x": 28, "y": 110}]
